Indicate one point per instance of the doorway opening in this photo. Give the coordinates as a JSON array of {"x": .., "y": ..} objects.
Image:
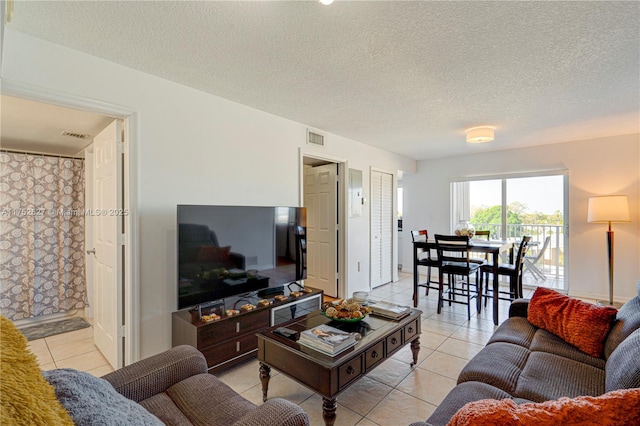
[
  {"x": 68, "y": 106},
  {"x": 323, "y": 193}
]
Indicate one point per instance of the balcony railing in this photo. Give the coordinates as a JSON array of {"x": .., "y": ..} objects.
[{"x": 552, "y": 261}]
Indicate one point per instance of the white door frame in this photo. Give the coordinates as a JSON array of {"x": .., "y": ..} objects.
[
  {"x": 131, "y": 261},
  {"x": 342, "y": 212}
]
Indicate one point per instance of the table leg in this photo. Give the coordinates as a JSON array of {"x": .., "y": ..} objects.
[
  {"x": 329, "y": 407},
  {"x": 415, "y": 277},
  {"x": 496, "y": 286},
  {"x": 265, "y": 375},
  {"x": 415, "y": 348}
]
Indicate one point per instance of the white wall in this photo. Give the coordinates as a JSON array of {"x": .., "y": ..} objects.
[
  {"x": 596, "y": 167},
  {"x": 193, "y": 148}
]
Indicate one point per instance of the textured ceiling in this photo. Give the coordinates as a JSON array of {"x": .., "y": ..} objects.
[{"x": 409, "y": 77}]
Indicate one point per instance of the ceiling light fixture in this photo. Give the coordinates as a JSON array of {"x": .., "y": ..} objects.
[
  {"x": 480, "y": 134},
  {"x": 326, "y": 2}
]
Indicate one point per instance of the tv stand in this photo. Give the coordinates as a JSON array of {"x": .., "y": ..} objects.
[{"x": 232, "y": 339}]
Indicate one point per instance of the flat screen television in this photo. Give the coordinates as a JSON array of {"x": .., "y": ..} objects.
[{"x": 229, "y": 250}]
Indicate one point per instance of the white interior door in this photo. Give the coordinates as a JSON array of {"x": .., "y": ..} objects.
[
  {"x": 320, "y": 199},
  {"x": 381, "y": 228},
  {"x": 107, "y": 226}
]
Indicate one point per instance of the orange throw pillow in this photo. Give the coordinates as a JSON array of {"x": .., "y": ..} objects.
[
  {"x": 583, "y": 325},
  {"x": 213, "y": 254},
  {"x": 619, "y": 407}
]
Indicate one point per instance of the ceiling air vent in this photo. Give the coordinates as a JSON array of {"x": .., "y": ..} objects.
[
  {"x": 314, "y": 138},
  {"x": 75, "y": 135}
]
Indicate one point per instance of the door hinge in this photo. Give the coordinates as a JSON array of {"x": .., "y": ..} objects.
[
  {"x": 121, "y": 239},
  {"x": 122, "y": 330}
]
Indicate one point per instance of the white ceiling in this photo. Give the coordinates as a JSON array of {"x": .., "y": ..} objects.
[
  {"x": 408, "y": 77},
  {"x": 36, "y": 127}
]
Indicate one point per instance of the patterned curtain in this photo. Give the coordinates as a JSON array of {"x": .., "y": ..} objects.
[{"x": 41, "y": 235}]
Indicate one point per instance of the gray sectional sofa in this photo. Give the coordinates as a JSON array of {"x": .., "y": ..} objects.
[{"x": 529, "y": 364}]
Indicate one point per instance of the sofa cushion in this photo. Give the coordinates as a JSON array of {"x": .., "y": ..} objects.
[
  {"x": 26, "y": 398},
  {"x": 516, "y": 330},
  {"x": 93, "y": 401},
  {"x": 548, "y": 376},
  {"x": 544, "y": 341},
  {"x": 581, "y": 324},
  {"x": 156, "y": 374},
  {"x": 498, "y": 364},
  {"x": 623, "y": 366},
  {"x": 163, "y": 407},
  {"x": 206, "y": 400},
  {"x": 615, "y": 408},
  {"x": 628, "y": 321},
  {"x": 461, "y": 395}
]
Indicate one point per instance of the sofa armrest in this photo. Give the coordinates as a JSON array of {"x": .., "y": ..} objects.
[
  {"x": 153, "y": 375},
  {"x": 519, "y": 308},
  {"x": 276, "y": 411}
]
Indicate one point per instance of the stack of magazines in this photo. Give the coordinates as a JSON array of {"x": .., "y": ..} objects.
[
  {"x": 327, "y": 339},
  {"x": 390, "y": 310}
]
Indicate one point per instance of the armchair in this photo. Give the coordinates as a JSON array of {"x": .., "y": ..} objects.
[
  {"x": 171, "y": 388},
  {"x": 175, "y": 387}
]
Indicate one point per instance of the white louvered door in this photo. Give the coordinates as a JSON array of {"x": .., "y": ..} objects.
[{"x": 381, "y": 228}]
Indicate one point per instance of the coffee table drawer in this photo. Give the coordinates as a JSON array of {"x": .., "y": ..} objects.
[
  {"x": 373, "y": 356},
  {"x": 410, "y": 330},
  {"x": 394, "y": 342},
  {"x": 349, "y": 371}
]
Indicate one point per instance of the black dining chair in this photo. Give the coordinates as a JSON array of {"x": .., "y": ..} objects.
[
  {"x": 453, "y": 255},
  {"x": 511, "y": 270},
  {"x": 301, "y": 252},
  {"x": 426, "y": 259},
  {"x": 484, "y": 258}
]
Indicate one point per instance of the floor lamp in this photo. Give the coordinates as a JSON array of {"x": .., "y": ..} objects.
[{"x": 607, "y": 209}]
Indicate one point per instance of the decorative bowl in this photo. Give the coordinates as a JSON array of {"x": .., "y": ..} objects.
[{"x": 345, "y": 319}]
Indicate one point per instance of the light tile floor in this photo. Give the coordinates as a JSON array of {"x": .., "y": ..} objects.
[
  {"x": 392, "y": 394},
  {"x": 71, "y": 350}
]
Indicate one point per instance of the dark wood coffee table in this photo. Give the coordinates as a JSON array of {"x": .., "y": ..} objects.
[{"x": 329, "y": 376}]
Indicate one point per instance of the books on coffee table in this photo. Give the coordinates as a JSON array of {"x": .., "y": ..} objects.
[
  {"x": 389, "y": 310},
  {"x": 327, "y": 339}
]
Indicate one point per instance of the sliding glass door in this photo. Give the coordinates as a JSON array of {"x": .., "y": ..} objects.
[{"x": 516, "y": 205}]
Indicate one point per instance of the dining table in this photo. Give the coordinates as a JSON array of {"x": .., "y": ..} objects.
[{"x": 493, "y": 248}]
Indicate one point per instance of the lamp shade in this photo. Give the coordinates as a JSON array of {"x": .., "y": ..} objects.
[
  {"x": 608, "y": 208},
  {"x": 480, "y": 134}
]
